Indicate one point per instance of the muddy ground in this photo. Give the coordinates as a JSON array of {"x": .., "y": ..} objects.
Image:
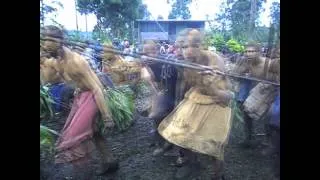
[{"x": 134, "y": 149}]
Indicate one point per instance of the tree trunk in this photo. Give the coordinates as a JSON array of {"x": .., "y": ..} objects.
[
  {"x": 42, "y": 13},
  {"x": 85, "y": 15},
  {"x": 270, "y": 40},
  {"x": 75, "y": 3},
  {"x": 253, "y": 12}
]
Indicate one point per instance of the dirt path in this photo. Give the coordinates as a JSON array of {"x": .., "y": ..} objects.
[{"x": 134, "y": 151}]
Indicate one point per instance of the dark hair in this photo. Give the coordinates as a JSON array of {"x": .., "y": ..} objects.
[
  {"x": 53, "y": 31},
  {"x": 254, "y": 45}
]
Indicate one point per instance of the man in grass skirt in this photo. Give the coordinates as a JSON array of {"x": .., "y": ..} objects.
[
  {"x": 201, "y": 122},
  {"x": 82, "y": 130}
]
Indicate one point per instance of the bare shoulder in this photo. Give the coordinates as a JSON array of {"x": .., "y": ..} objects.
[
  {"x": 215, "y": 60},
  {"x": 76, "y": 59}
]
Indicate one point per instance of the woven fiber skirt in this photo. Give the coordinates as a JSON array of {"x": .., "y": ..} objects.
[{"x": 198, "y": 124}]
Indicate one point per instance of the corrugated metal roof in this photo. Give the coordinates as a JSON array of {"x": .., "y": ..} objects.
[{"x": 170, "y": 20}]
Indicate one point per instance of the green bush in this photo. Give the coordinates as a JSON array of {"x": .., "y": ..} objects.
[
  {"x": 235, "y": 46},
  {"x": 217, "y": 40}
]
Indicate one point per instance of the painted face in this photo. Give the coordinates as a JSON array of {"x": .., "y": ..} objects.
[
  {"x": 251, "y": 53},
  {"x": 178, "y": 51},
  {"x": 191, "y": 50}
]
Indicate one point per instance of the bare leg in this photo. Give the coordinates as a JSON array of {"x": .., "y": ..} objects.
[
  {"x": 217, "y": 169},
  {"x": 101, "y": 146},
  {"x": 190, "y": 167},
  {"x": 108, "y": 163},
  {"x": 162, "y": 144},
  {"x": 248, "y": 128},
  {"x": 80, "y": 168}
]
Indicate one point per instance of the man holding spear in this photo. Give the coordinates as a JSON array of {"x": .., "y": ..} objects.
[{"x": 81, "y": 130}]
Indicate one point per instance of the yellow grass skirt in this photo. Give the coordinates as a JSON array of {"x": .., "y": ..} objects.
[{"x": 198, "y": 124}]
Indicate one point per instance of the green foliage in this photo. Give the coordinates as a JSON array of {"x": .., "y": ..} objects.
[
  {"x": 236, "y": 111},
  {"x": 217, "y": 40},
  {"x": 98, "y": 33},
  {"x": 143, "y": 12},
  {"x": 47, "y": 139},
  {"x": 235, "y": 46},
  {"x": 45, "y": 103},
  {"x": 275, "y": 16},
  {"x": 121, "y": 106},
  {"x": 180, "y": 10},
  {"x": 45, "y": 9},
  {"x": 115, "y": 15},
  {"x": 261, "y": 34},
  {"x": 74, "y": 36},
  {"x": 237, "y": 119},
  {"x": 235, "y": 15}
]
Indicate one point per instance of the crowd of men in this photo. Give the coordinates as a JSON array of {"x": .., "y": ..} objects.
[{"x": 190, "y": 109}]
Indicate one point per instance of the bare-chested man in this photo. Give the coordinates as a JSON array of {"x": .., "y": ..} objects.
[
  {"x": 81, "y": 130},
  {"x": 164, "y": 78},
  {"x": 273, "y": 125},
  {"x": 201, "y": 122},
  {"x": 61, "y": 93},
  {"x": 252, "y": 65}
]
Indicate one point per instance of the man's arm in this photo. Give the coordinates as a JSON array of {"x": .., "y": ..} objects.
[
  {"x": 82, "y": 74},
  {"x": 240, "y": 67},
  {"x": 214, "y": 80},
  {"x": 274, "y": 71},
  {"x": 87, "y": 79}
]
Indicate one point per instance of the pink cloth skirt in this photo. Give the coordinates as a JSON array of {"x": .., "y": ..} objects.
[{"x": 75, "y": 141}]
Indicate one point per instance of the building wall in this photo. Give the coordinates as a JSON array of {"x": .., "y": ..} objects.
[{"x": 167, "y": 31}]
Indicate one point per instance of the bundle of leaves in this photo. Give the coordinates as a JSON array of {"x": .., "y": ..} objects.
[
  {"x": 127, "y": 89},
  {"x": 121, "y": 106},
  {"x": 45, "y": 103},
  {"x": 237, "y": 117},
  {"x": 143, "y": 89}
]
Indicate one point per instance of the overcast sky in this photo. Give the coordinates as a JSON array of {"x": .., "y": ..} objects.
[{"x": 198, "y": 8}]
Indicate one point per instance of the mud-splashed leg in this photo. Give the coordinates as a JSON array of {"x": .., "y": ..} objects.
[{"x": 107, "y": 163}]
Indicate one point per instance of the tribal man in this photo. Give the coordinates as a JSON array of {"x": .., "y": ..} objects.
[
  {"x": 201, "y": 122},
  {"x": 254, "y": 99},
  {"x": 81, "y": 130},
  {"x": 163, "y": 77}
]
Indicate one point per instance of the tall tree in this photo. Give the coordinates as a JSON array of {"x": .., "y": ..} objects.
[
  {"x": 242, "y": 16},
  {"x": 49, "y": 7},
  {"x": 253, "y": 13},
  {"x": 160, "y": 17},
  {"x": 275, "y": 16},
  {"x": 75, "y": 6},
  {"x": 223, "y": 18},
  {"x": 180, "y": 9},
  {"x": 113, "y": 15},
  {"x": 144, "y": 12}
]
